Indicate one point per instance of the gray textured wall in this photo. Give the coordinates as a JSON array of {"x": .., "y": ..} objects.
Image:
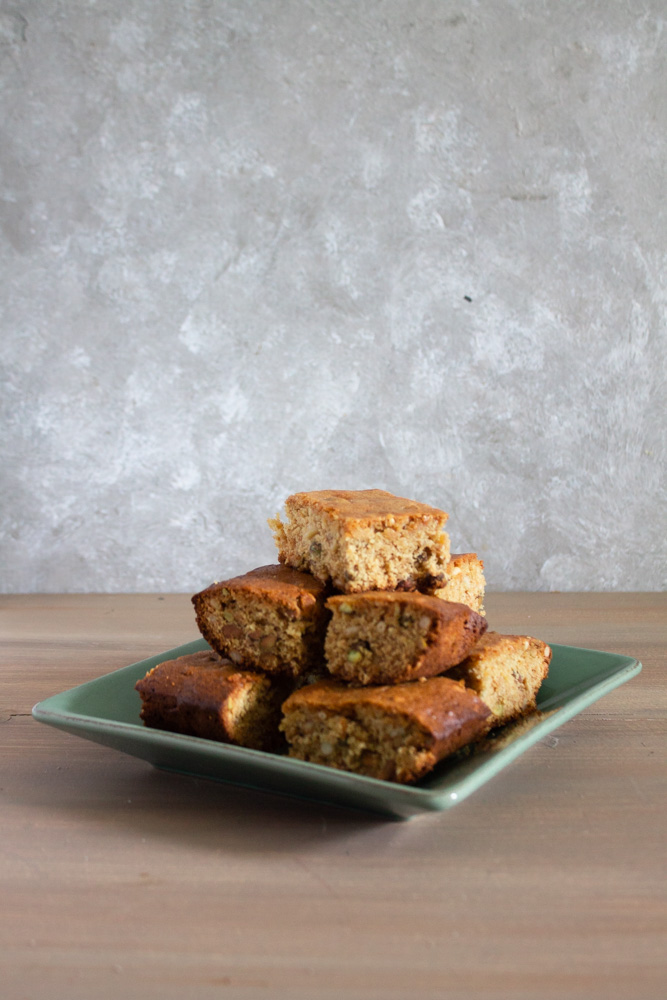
[{"x": 239, "y": 240}]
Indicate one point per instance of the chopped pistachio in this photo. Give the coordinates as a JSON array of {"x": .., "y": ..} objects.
[
  {"x": 354, "y": 656},
  {"x": 345, "y": 608}
]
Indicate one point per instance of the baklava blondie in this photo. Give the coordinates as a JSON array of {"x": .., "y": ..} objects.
[
  {"x": 364, "y": 540},
  {"x": 204, "y": 695},
  {"x": 385, "y": 636},
  {"x": 506, "y": 671},
  {"x": 397, "y": 732},
  {"x": 272, "y": 618}
]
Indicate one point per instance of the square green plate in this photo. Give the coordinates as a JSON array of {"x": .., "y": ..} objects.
[{"x": 106, "y": 711}]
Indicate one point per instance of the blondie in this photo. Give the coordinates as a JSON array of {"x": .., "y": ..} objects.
[
  {"x": 364, "y": 540},
  {"x": 397, "y": 733},
  {"x": 205, "y": 695},
  {"x": 272, "y": 618},
  {"x": 506, "y": 671},
  {"x": 384, "y": 637}
]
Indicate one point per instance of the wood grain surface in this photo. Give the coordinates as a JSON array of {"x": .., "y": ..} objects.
[{"x": 117, "y": 880}]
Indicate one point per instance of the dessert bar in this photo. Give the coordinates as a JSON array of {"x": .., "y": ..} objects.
[
  {"x": 272, "y": 618},
  {"x": 364, "y": 540},
  {"x": 506, "y": 671},
  {"x": 397, "y": 733},
  {"x": 204, "y": 695},
  {"x": 465, "y": 581},
  {"x": 384, "y": 637}
]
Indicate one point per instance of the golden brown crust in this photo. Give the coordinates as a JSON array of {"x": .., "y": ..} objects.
[
  {"x": 510, "y": 643},
  {"x": 437, "y": 705},
  {"x": 363, "y": 508},
  {"x": 203, "y": 677},
  {"x": 202, "y": 694},
  {"x": 286, "y": 586},
  {"x": 464, "y": 560},
  {"x": 385, "y": 637},
  {"x": 412, "y": 599}
]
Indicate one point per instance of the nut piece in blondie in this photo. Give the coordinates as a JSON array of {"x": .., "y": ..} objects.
[
  {"x": 386, "y": 636},
  {"x": 506, "y": 671},
  {"x": 397, "y": 732},
  {"x": 272, "y": 619},
  {"x": 364, "y": 540},
  {"x": 465, "y": 581},
  {"x": 204, "y": 695}
]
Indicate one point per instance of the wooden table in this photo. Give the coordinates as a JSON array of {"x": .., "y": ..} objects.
[{"x": 117, "y": 880}]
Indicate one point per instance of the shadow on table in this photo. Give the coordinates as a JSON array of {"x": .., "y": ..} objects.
[{"x": 103, "y": 789}]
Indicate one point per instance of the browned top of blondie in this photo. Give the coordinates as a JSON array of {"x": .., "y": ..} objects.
[
  {"x": 510, "y": 645},
  {"x": 464, "y": 558},
  {"x": 444, "y": 611},
  {"x": 277, "y": 583},
  {"x": 204, "y": 678},
  {"x": 365, "y": 506},
  {"x": 438, "y": 704}
]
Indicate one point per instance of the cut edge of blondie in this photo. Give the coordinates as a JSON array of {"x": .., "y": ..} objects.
[
  {"x": 203, "y": 695},
  {"x": 465, "y": 581},
  {"x": 389, "y": 637},
  {"x": 506, "y": 672},
  {"x": 254, "y": 632}
]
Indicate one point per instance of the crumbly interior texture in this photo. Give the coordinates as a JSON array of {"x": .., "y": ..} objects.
[
  {"x": 204, "y": 695},
  {"x": 506, "y": 671},
  {"x": 394, "y": 732},
  {"x": 256, "y": 634},
  {"x": 364, "y": 540},
  {"x": 465, "y": 581},
  {"x": 274, "y": 629},
  {"x": 370, "y": 742},
  {"x": 368, "y": 642},
  {"x": 386, "y": 637},
  {"x": 253, "y": 713}
]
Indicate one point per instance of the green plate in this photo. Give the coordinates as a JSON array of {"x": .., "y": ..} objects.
[{"x": 106, "y": 711}]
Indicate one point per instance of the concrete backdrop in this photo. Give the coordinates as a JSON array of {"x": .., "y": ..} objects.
[{"x": 255, "y": 247}]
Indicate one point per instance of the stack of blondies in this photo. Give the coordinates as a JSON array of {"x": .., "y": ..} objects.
[{"x": 365, "y": 648}]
